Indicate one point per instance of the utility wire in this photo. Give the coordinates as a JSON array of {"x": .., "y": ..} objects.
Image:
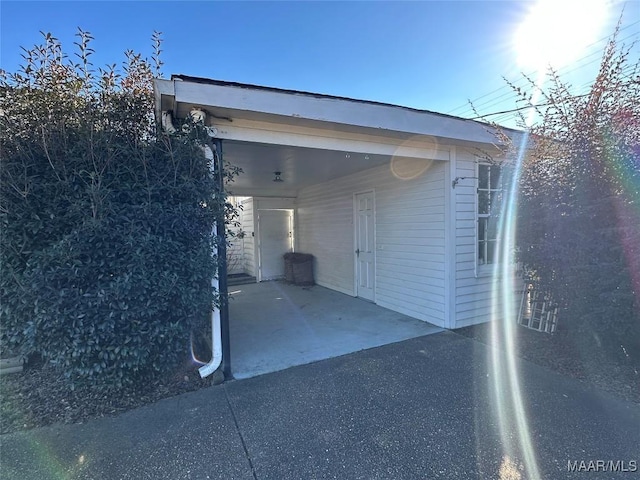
[
  {"x": 518, "y": 109},
  {"x": 562, "y": 71},
  {"x": 626, "y": 73},
  {"x": 521, "y": 81},
  {"x": 525, "y": 107}
]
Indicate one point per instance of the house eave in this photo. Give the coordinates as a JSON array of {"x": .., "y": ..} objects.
[{"x": 226, "y": 101}]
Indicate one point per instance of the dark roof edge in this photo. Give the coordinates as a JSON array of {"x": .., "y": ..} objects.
[{"x": 209, "y": 81}]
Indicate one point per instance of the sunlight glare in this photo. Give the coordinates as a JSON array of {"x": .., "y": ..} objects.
[
  {"x": 509, "y": 407},
  {"x": 557, "y": 33}
]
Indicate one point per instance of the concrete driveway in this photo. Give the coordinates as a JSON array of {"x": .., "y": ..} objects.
[
  {"x": 275, "y": 325},
  {"x": 422, "y": 408}
]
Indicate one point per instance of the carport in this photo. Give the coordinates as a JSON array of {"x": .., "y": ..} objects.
[{"x": 384, "y": 197}]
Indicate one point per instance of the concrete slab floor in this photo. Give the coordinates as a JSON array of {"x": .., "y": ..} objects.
[{"x": 275, "y": 325}]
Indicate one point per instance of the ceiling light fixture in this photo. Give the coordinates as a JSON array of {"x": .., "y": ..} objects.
[{"x": 277, "y": 177}]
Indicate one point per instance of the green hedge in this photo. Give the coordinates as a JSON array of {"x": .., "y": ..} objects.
[{"x": 106, "y": 248}]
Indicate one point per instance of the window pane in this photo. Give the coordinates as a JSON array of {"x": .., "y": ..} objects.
[
  {"x": 496, "y": 203},
  {"x": 483, "y": 203},
  {"x": 482, "y": 229},
  {"x": 491, "y": 228},
  {"x": 483, "y": 176},
  {"x": 494, "y": 176},
  {"x": 481, "y": 253},
  {"x": 491, "y": 252}
]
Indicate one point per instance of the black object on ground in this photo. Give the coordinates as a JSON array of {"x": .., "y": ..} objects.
[{"x": 298, "y": 268}]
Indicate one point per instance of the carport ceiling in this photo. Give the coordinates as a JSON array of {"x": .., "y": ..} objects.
[{"x": 300, "y": 167}]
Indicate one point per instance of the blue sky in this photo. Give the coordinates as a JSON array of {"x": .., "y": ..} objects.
[{"x": 432, "y": 55}]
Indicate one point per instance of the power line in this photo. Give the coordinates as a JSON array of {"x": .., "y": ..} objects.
[
  {"x": 563, "y": 70},
  {"x": 506, "y": 115},
  {"x": 518, "y": 109},
  {"x": 525, "y": 107},
  {"x": 521, "y": 81}
]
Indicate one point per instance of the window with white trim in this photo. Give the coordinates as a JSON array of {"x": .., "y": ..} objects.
[{"x": 489, "y": 204}]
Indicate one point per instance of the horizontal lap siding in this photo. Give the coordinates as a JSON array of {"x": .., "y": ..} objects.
[
  {"x": 473, "y": 294},
  {"x": 324, "y": 229},
  {"x": 246, "y": 222},
  {"x": 409, "y": 237},
  {"x": 235, "y": 260}
]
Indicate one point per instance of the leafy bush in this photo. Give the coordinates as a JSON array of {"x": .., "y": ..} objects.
[
  {"x": 106, "y": 245},
  {"x": 579, "y": 222}
]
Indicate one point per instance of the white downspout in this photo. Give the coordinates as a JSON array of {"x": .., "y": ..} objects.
[
  {"x": 167, "y": 123},
  {"x": 216, "y": 337}
]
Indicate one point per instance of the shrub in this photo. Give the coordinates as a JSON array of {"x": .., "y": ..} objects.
[
  {"x": 578, "y": 222},
  {"x": 106, "y": 245}
]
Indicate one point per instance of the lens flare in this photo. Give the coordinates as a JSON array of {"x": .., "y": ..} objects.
[
  {"x": 509, "y": 407},
  {"x": 414, "y": 156},
  {"x": 626, "y": 172},
  {"x": 404, "y": 168}
]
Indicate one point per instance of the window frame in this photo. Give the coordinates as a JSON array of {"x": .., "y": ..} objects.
[{"x": 486, "y": 268}]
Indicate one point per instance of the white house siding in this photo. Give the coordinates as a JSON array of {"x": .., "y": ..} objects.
[
  {"x": 235, "y": 249},
  {"x": 235, "y": 262},
  {"x": 473, "y": 289},
  {"x": 248, "y": 242},
  {"x": 409, "y": 237}
]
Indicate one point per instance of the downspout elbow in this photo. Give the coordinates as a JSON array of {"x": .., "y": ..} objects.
[
  {"x": 216, "y": 341},
  {"x": 216, "y": 335}
]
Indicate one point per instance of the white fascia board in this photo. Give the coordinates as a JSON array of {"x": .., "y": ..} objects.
[
  {"x": 278, "y": 134},
  {"x": 162, "y": 88},
  {"x": 332, "y": 110}
]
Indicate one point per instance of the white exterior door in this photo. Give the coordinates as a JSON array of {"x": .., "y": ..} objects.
[
  {"x": 365, "y": 248},
  {"x": 275, "y": 230}
]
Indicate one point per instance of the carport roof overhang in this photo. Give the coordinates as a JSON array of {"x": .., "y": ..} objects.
[{"x": 308, "y": 137}]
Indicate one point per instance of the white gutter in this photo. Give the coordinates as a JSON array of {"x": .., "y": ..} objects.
[{"x": 216, "y": 337}]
